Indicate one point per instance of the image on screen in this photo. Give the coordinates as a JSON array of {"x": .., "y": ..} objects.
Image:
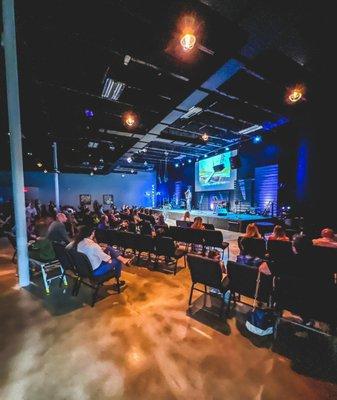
[
  {"x": 215, "y": 173},
  {"x": 214, "y": 170}
]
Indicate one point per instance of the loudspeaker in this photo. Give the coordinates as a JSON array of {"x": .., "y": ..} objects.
[
  {"x": 218, "y": 168},
  {"x": 235, "y": 162}
]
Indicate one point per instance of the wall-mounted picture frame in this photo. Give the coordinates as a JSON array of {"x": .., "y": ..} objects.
[
  {"x": 108, "y": 199},
  {"x": 85, "y": 199}
]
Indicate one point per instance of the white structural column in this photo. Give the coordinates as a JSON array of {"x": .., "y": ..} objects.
[
  {"x": 56, "y": 177},
  {"x": 13, "y": 103}
]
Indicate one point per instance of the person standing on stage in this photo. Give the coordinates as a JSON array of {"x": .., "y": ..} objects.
[{"x": 188, "y": 198}]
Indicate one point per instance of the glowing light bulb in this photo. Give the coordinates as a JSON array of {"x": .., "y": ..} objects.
[
  {"x": 295, "y": 96},
  {"x": 188, "y": 41}
]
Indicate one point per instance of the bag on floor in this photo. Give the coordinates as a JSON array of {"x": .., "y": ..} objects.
[{"x": 260, "y": 322}]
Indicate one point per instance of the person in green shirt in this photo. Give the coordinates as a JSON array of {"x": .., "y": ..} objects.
[{"x": 42, "y": 249}]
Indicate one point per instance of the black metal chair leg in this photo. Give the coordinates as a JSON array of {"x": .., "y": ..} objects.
[
  {"x": 118, "y": 286},
  {"x": 175, "y": 267},
  {"x": 94, "y": 296},
  {"x": 191, "y": 294}
]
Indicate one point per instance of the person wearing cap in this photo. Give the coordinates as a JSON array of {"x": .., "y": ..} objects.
[{"x": 57, "y": 231}]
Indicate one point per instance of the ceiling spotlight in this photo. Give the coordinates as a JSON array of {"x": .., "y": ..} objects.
[
  {"x": 112, "y": 147},
  {"x": 45, "y": 171},
  {"x": 257, "y": 139},
  {"x": 145, "y": 163},
  {"x": 88, "y": 113},
  {"x": 130, "y": 119},
  {"x": 123, "y": 175},
  {"x": 295, "y": 94},
  {"x": 204, "y": 137},
  {"x": 188, "y": 41},
  {"x": 93, "y": 145},
  {"x": 132, "y": 171},
  {"x": 91, "y": 173},
  {"x": 95, "y": 168},
  {"x": 127, "y": 59},
  {"x": 39, "y": 164},
  {"x": 101, "y": 160},
  {"x": 29, "y": 154},
  {"x": 90, "y": 155},
  {"x": 144, "y": 150},
  {"x": 205, "y": 155},
  {"x": 189, "y": 161},
  {"x": 176, "y": 165},
  {"x": 183, "y": 164},
  {"x": 129, "y": 160},
  {"x": 227, "y": 148},
  {"x": 166, "y": 153}
]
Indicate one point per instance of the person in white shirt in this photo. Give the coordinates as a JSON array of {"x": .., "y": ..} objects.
[
  {"x": 31, "y": 212},
  {"x": 101, "y": 261}
]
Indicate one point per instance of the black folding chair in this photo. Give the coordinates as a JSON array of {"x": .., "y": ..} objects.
[
  {"x": 86, "y": 276},
  {"x": 101, "y": 235},
  {"x": 242, "y": 281},
  {"x": 126, "y": 240},
  {"x": 207, "y": 272},
  {"x": 213, "y": 238},
  {"x": 183, "y": 224},
  {"x": 66, "y": 262},
  {"x": 144, "y": 243},
  {"x": 253, "y": 247},
  {"x": 279, "y": 250},
  {"x": 165, "y": 247},
  {"x": 209, "y": 227},
  {"x": 309, "y": 298}
]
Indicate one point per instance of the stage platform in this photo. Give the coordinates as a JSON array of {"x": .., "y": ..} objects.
[{"x": 232, "y": 221}]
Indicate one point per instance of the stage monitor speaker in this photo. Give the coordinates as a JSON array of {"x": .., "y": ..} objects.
[
  {"x": 218, "y": 168},
  {"x": 235, "y": 162}
]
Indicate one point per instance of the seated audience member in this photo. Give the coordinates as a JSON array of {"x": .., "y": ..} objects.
[
  {"x": 327, "y": 239},
  {"x": 252, "y": 231},
  {"x": 71, "y": 224},
  {"x": 42, "y": 249},
  {"x": 197, "y": 223},
  {"x": 101, "y": 261},
  {"x": 215, "y": 255},
  {"x": 278, "y": 234},
  {"x": 31, "y": 212},
  {"x": 104, "y": 222},
  {"x": 187, "y": 216},
  {"x": 124, "y": 226},
  {"x": 161, "y": 221},
  {"x": 246, "y": 256},
  {"x": 57, "y": 230},
  {"x": 146, "y": 228}
]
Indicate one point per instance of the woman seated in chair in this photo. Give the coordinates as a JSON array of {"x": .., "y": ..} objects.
[
  {"x": 101, "y": 261},
  {"x": 187, "y": 216},
  {"x": 42, "y": 249},
  {"x": 252, "y": 231},
  {"x": 247, "y": 256},
  {"x": 197, "y": 223},
  {"x": 278, "y": 234}
]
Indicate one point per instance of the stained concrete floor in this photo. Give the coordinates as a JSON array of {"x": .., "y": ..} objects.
[{"x": 142, "y": 344}]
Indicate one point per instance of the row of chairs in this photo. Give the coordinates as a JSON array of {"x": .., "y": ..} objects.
[
  {"x": 309, "y": 298},
  {"x": 276, "y": 250},
  {"x": 159, "y": 246},
  {"x": 188, "y": 224},
  {"x": 206, "y": 238}
]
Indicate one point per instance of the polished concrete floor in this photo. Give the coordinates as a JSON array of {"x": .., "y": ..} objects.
[{"x": 142, "y": 344}]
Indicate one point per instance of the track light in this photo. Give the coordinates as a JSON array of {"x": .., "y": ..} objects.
[
  {"x": 45, "y": 171},
  {"x": 188, "y": 41},
  {"x": 88, "y": 113},
  {"x": 91, "y": 173},
  {"x": 295, "y": 94},
  {"x": 39, "y": 164},
  {"x": 176, "y": 165},
  {"x": 112, "y": 90},
  {"x": 129, "y": 160},
  {"x": 130, "y": 119}
]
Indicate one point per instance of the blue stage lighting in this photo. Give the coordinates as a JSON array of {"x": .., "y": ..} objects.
[
  {"x": 257, "y": 139},
  {"x": 227, "y": 148},
  {"x": 88, "y": 113},
  {"x": 189, "y": 161},
  {"x": 176, "y": 165}
]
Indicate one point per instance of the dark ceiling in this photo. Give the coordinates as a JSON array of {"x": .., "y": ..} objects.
[{"x": 235, "y": 76}]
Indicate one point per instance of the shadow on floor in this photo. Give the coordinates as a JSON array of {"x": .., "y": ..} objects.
[{"x": 60, "y": 300}]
